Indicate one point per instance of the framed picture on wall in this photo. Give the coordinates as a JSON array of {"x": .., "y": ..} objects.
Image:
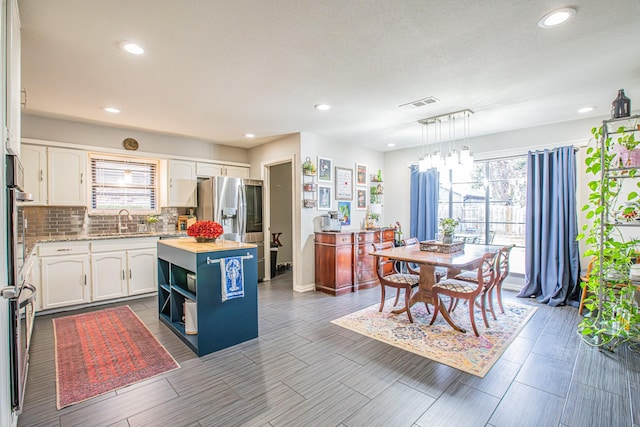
[
  {"x": 361, "y": 199},
  {"x": 344, "y": 183},
  {"x": 324, "y": 197},
  {"x": 324, "y": 169},
  {"x": 361, "y": 174},
  {"x": 344, "y": 213}
]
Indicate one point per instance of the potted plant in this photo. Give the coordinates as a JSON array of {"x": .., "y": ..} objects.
[
  {"x": 448, "y": 227},
  {"x": 613, "y": 317},
  {"x": 308, "y": 168}
]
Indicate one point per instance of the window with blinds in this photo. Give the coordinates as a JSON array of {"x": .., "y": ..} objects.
[{"x": 122, "y": 183}]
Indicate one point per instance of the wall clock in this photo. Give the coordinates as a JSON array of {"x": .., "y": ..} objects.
[{"x": 130, "y": 144}]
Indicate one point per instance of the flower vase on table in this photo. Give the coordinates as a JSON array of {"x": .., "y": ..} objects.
[
  {"x": 447, "y": 239},
  {"x": 201, "y": 239},
  {"x": 205, "y": 231}
]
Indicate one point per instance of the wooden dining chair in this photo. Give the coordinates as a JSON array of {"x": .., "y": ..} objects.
[
  {"x": 469, "y": 290},
  {"x": 502, "y": 271},
  {"x": 585, "y": 284},
  {"x": 414, "y": 268},
  {"x": 394, "y": 279}
]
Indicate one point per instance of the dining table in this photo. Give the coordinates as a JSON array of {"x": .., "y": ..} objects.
[{"x": 467, "y": 259}]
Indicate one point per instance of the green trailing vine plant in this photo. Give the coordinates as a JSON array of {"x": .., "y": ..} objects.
[{"x": 613, "y": 316}]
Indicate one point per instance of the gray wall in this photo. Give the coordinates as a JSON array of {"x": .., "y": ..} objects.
[{"x": 49, "y": 129}]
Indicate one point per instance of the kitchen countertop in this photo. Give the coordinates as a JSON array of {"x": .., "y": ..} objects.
[
  {"x": 190, "y": 245},
  {"x": 101, "y": 236}
]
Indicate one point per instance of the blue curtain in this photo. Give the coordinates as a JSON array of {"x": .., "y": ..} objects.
[
  {"x": 552, "y": 261},
  {"x": 424, "y": 204}
]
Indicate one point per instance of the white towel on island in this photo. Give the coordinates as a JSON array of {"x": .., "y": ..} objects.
[{"x": 232, "y": 278}]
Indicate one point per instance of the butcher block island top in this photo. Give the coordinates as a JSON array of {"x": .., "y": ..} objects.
[{"x": 189, "y": 244}]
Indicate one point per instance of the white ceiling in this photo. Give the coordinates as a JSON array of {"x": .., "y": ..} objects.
[{"x": 217, "y": 69}]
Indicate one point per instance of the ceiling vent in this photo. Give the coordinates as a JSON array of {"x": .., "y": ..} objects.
[{"x": 419, "y": 103}]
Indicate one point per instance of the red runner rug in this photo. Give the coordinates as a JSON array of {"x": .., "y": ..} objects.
[{"x": 101, "y": 351}]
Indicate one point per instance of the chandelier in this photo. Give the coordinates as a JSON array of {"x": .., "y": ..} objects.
[{"x": 457, "y": 126}]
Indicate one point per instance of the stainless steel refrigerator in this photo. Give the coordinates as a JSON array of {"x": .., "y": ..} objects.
[{"x": 236, "y": 204}]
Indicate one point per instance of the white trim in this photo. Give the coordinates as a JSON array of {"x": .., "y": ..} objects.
[
  {"x": 522, "y": 151},
  {"x": 295, "y": 216},
  {"x": 122, "y": 152},
  {"x": 305, "y": 288}
]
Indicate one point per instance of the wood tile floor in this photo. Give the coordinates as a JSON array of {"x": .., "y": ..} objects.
[{"x": 305, "y": 371}]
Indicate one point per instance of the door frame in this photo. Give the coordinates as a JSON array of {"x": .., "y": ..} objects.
[{"x": 266, "y": 178}]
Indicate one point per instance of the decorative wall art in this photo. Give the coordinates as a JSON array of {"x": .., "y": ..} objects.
[
  {"x": 361, "y": 174},
  {"x": 344, "y": 212},
  {"x": 361, "y": 199},
  {"x": 324, "y": 169},
  {"x": 324, "y": 197},
  {"x": 344, "y": 183}
]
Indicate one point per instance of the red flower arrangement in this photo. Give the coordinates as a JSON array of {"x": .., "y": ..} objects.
[{"x": 206, "y": 229}]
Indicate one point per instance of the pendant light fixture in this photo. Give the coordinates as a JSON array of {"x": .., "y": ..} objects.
[{"x": 454, "y": 158}]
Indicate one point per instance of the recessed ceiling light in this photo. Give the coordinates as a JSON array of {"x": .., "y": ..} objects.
[
  {"x": 249, "y": 135},
  {"x": 132, "y": 48},
  {"x": 113, "y": 110},
  {"x": 391, "y": 144},
  {"x": 586, "y": 110},
  {"x": 322, "y": 107},
  {"x": 556, "y": 17}
]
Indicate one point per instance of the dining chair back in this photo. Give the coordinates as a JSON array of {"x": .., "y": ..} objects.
[
  {"x": 394, "y": 279},
  {"x": 585, "y": 284},
  {"x": 469, "y": 290},
  {"x": 502, "y": 271}
]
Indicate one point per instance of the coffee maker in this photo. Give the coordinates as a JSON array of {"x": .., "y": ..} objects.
[{"x": 330, "y": 222}]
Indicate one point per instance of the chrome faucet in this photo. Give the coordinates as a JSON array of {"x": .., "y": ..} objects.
[{"x": 120, "y": 226}]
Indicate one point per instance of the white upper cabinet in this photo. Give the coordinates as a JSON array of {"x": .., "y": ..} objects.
[
  {"x": 67, "y": 177},
  {"x": 34, "y": 161},
  {"x": 12, "y": 74},
  {"x": 182, "y": 183},
  {"x": 215, "y": 169}
]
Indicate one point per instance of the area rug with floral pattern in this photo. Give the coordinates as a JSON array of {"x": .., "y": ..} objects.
[
  {"x": 440, "y": 342},
  {"x": 101, "y": 351}
]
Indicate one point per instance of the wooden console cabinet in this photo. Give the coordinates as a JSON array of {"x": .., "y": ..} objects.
[{"x": 343, "y": 263}]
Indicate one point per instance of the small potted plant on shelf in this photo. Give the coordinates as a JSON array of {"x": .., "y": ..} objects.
[
  {"x": 205, "y": 231},
  {"x": 308, "y": 168},
  {"x": 448, "y": 227}
]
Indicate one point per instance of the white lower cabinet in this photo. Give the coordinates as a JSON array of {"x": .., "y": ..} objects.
[
  {"x": 73, "y": 273},
  {"x": 142, "y": 268},
  {"x": 108, "y": 275},
  {"x": 64, "y": 280}
]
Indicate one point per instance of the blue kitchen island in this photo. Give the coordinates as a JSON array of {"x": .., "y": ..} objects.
[{"x": 192, "y": 299}]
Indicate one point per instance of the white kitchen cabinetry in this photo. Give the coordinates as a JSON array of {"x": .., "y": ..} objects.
[
  {"x": 34, "y": 161},
  {"x": 108, "y": 275},
  {"x": 214, "y": 169},
  {"x": 182, "y": 183},
  {"x": 67, "y": 177},
  {"x": 64, "y": 273},
  {"x": 142, "y": 266},
  {"x": 122, "y": 267},
  {"x": 12, "y": 73}
]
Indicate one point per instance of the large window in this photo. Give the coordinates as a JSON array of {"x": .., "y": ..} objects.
[
  {"x": 490, "y": 203},
  {"x": 123, "y": 183}
]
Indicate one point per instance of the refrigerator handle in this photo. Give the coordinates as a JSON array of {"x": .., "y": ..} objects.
[{"x": 242, "y": 214}]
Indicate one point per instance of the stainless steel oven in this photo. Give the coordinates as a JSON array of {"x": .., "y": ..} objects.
[{"x": 20, "y": 295}]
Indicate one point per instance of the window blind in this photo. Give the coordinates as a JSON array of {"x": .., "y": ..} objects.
[{"x": 118, "y": 184}]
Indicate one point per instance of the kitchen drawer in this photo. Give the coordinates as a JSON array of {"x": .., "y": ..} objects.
[
  {"x": 63, "y": 248},
  {"x": 334, "y": 238},
  {"x": 123, "y": 244}
]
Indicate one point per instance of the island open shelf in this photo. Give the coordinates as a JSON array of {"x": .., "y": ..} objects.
[{"x": 219, "y": 324}]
